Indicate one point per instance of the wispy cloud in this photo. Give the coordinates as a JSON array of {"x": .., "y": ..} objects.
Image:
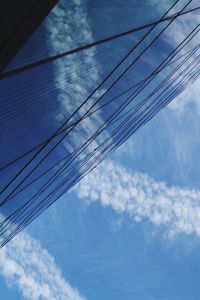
[
  {"x": 178, "y": 31},
  {"x": 27, "y": 266},
  {"x": 67, "y": 27},
  {"x": 191, "y": 95},
  {"x": 175, "y": 209}
]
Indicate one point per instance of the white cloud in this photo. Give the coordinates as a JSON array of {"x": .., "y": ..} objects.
[
  {"x": 75, "y": 77},
  {"x": 177, "y": 33},
  {"x": 27, "y": 266},
  {"x": 67, "y": 27},
  {"x": 139, "y": 200},
  {"x": 175, "y": 209},
  {"x": 180, "y": 29},
  {"x": 190, "y": 95}
]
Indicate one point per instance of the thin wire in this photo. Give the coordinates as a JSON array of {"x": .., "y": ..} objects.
[
  {"x": 84, "y": 47},
  {"x": 84, "y": 102},
  {"x": 176, "y": 54},
  {"x": 98, "y": 109},
  {"x": 84, "y": 166}
]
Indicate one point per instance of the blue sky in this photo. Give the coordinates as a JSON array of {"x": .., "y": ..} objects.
[{"x": 131, "y": 229}]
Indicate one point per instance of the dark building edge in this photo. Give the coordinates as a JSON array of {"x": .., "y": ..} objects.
[{"x": 20, "y": 33}]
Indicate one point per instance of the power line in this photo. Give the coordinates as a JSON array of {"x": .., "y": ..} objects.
[
  {"x": 123, "y": 122},
  {"x": 92, "y": 112},
  {"x": 90, "y": 45},
  {"x": 84, "y": 102},
  {"x": 173, "y": 71}
]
